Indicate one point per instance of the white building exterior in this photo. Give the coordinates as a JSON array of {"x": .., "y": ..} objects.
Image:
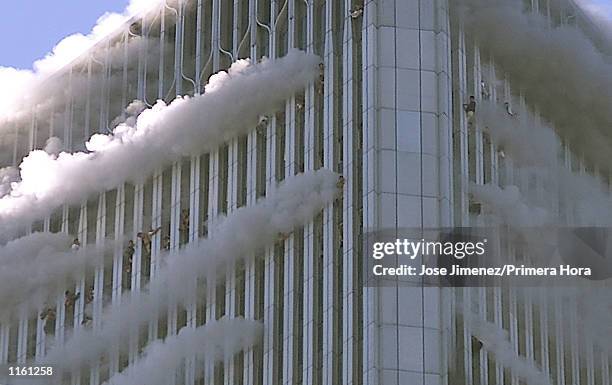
[{"x": 388, "y": 117}]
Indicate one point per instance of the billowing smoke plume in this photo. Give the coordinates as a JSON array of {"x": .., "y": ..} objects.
[
  {"x": 556, "y": 68},
  {"x": 495, "y": 340},
  {"x": 36, "y": 269},
  {"x": 212, "y": 342},
  {"x": 8, "y": 175},
  {"x": 232, "y": 104},
  {"x": 509, "y": 203},
  {"x": 235, "y": 237},
  {"x": 19, "y": 86},
  {"x": 518, "y": 136}
]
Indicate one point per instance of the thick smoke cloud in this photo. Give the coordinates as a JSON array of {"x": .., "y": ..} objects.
[
  {"x": 36, "y": 270},
  {"x": 213, "y": 342},
  {"x": 231, "y": 105},
  {"x": 557, "y": 69},
  {"x": 8, "y": 175},
  {"x": 509, "y": 203},
  {"x": 535, "y": 149},
  {"x": 235, "y": 237},
  {"x": 20, "y": 86},
  {"x": 495, "y": 340},
  {"x": 519, "y": 136}
]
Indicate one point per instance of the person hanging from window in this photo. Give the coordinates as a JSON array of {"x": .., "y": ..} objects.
[
  {"x": 70, "y": 299},
  {"x": 166, "y": 242},
  {"x": 128, "y": 255},
  {"x": 299, "y": 104},
  {"x": 184, "y": 225},
  {"x": 470, "y": 108},
  {"x": 509, "y": 109},
  {"x": 357, "y": 11},
  {"x": 48, "y": 316},
  {"x": 145, "y": 238},
  {"x": 76, "y": 245},
  {"x": 89, "y": 295},
  {"x": 263, "y": 122},
  {"x": 340, "y": 182}
]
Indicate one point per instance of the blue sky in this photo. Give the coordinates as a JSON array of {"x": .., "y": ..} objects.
[{"x": 31, "y": 28}]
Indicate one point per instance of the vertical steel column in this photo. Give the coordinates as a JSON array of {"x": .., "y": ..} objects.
[
  {"x": 175, "y": 196},
  {"x": 270, "y": 305},
  {"x": 22, "y": 336},
  {"x": 252, "y": 166},
  {"x": 86, "y": 128},
  {"x": 16, "y": 143},
  {"x": 194, "y": 199},
  {"x": 308, "y": 263},
  {"x": 232, "y": 203},
  {"x": 33, "y": 130},
  {"x": 464, "y": 177},
  {"x": 68, "y": 115},
  {"x": 136, "y": 268},
  {"x": 329, "y": 251},
  {"x": 289, "y": 292},
  {"x": 98, "y": 297},
  {"x": 213, "y": 197},
  {"x": 271, "y": 286},
  {"x": 79, "y": 306},
  {"x": 117, "y": 269},
  {"x": 4, "y": 341},
  {"x": 370, "y": 210},
  {"x": 156, "y": 222},
  {"x": 157, "y": 194},
  {"x": 349, "y": 288}
]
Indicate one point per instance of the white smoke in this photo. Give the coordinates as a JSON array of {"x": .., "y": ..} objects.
[
  {"x": 213, "y": 342},
  {"x": 232, "y": 104},
  {"x": 237, "y": 236},
  {"x": 8, "y": 175},
  {"x": 495, "y": 340},
  {"x": 558, "y": 69},
  {"x": 510, "y": 204},
  {"x": 36, "y": 269},
  {"x": 53, "y": 146},
  {"x": 518, "y": 136},
  {"x": 19, "y": 85}
]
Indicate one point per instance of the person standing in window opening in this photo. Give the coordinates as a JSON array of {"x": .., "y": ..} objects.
[
  {"x": 128, "y": 254},
  {"x": 357, "y": 11},
  {"x": 484, "y": 90},
  {"x": 145, "y": 238},
  {"x": 340, "y": 183},
  {"x": 470, "y": 108},
  {"x": 48, "y": 316},
  {"x": 320, "y": 87},
  {"x": 89, "y": 295},
  {"x": 166, "y": 242},
  {"x": 509, "y": 109},
  {"x": 70, "y": 299},
  {"x": 184, "y": 226},
  {"x": 76, "y": 245}
]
